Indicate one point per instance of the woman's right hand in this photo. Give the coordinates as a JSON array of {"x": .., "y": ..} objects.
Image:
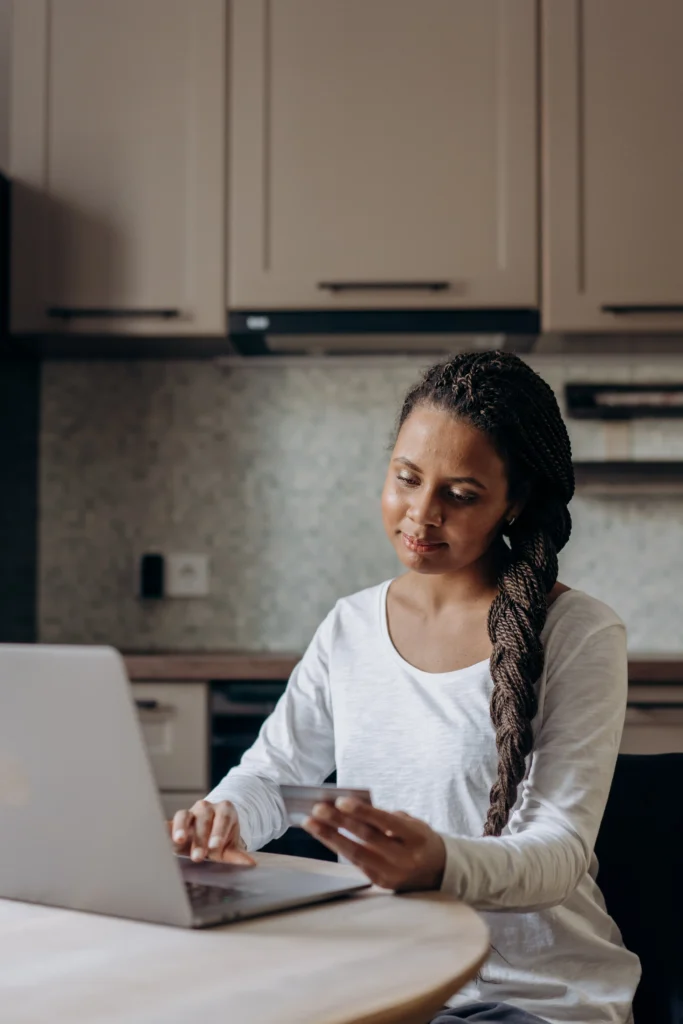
[{"x": 210, "y": 830}]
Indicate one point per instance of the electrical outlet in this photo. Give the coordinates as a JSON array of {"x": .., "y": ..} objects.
[{"x": 187, "y": 575}]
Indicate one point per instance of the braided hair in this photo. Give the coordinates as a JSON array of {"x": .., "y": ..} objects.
[{"x": 501, "y": 395}]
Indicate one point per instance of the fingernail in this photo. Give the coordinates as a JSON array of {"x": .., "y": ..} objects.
[
  {"x": 321, "y": 811},
  {"x": 214, "y": 841},
  {"x": 179, "y": 835},
  {"x": 345, "y": 803},
  {"x": 197, "y": 855}
]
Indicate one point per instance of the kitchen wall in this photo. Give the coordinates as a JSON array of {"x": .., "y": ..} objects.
[{"x": 275, "y": 472}]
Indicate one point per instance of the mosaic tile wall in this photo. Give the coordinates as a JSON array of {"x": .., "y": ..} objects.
[{"x": 275, "y": 473}]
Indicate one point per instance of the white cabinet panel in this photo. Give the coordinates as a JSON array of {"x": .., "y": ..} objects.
[
  {"x": 175, "y": 726},
  {"x": 654, "y": 720},
  {"x": 117, "y": 155}
]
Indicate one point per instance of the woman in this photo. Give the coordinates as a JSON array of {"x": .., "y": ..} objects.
[{"x": 474, "y": 692}]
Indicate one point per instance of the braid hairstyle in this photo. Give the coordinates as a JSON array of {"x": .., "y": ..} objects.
[{"x": 502, "y": 396}]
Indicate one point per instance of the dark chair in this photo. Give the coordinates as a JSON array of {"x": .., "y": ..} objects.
[{"x": 640, "y": 856}]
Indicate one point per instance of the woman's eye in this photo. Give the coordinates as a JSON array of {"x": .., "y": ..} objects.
[{"x": 463, "y": 498}]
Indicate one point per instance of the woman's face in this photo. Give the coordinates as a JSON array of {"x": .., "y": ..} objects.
[{"x": 445, "y": 497}]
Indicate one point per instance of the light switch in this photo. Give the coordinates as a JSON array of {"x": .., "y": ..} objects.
[{"x": 187, "y": 575}]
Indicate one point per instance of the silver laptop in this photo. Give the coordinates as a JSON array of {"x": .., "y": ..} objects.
[{"x": 80, "y": 816}]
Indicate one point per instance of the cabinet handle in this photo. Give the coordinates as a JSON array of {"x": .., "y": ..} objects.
[
  {"x": 244, "y": 710},
  {"x": 653, "y": 308},
  {"x": 83, "y": 312},
  {"x": 147, "y": 705},
  {"x": 384, "y": 286}
]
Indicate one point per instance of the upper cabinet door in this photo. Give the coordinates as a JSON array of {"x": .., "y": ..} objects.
[
  {"x": 383, "y": 153},
  {"x": 117, "y": 155},
  {"x": 613, "y": 165}
]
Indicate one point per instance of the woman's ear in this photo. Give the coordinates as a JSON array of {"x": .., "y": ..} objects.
[
  {"x": 514, "y": 512},
  {"x": 516, "y": 507}
]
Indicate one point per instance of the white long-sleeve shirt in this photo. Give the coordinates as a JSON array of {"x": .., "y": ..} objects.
[{"x": 423, "y": 742}]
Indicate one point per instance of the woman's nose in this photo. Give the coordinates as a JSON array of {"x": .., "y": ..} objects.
[{"x": 425, "y": 509}]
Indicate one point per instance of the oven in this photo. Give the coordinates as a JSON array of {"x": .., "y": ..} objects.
[{"x": 238, "y": 709}]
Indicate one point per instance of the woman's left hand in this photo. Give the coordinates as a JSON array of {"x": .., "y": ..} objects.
[{"x": 395, "y": 851}]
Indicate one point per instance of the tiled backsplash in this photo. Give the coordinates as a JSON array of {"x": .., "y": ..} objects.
[{"x": 275, "y": 472}]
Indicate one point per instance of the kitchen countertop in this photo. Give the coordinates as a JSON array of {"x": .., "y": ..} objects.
[
  {"x": 655, "y": 668},
  {"x": 201, "y": 666}
]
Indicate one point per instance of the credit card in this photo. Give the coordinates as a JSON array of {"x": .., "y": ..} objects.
[{"x": 299, "y": 801}]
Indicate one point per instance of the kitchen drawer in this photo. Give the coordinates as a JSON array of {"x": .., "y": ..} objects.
[
  {"x": 653, "y": 730},
  {"x": 175, "y": 725},
  {"x": 179, "y": 801}
]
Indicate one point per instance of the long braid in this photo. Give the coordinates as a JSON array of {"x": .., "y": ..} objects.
[{"x": 501, "y": 395}]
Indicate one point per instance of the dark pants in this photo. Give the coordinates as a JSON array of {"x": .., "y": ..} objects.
[{"x": 495, "y": 1013}]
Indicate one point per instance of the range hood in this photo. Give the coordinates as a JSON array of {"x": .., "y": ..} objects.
[
  {"x": 380, "y": 331},
  {"x": 296, "y": 332}
]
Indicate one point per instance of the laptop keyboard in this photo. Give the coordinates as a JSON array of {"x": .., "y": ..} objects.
[{"x": 202, "y": 896}]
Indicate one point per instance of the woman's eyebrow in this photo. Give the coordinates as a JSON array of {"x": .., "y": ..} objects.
[{"x": 452, "y": 479}]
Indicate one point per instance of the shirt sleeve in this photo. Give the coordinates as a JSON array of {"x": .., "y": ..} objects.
[
  {"x": 548, "y": 844},
  {"x": 295, "y": 746}
]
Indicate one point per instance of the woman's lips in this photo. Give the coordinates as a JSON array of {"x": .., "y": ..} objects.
[{"x": 421, "y": 548}]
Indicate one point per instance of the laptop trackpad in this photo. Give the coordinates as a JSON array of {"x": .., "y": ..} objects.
[{"x": 224, "y": 876}]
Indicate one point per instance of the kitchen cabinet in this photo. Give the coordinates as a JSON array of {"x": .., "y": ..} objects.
[
  {"x": 180, "y": 801},
  {"x": 174, "y": 720},
  {"x": 383, "y": 154},
  {"x": 117, "y": 143},
  {"x": 654, "y": 720},
  {"x": 613, "y": 165}
]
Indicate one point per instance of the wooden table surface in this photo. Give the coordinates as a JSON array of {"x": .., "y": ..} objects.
[{"x": 372, "y": 959}]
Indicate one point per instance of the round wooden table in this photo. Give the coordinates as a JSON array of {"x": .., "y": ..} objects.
[{"x": 375, "y": 958}]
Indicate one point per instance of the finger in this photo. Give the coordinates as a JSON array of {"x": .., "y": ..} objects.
[
  {"x": 378, "y": 869},
  {"x": 406, "y": 817},
  {"x": 239, "y": 857},
  {"x": 329, "y": 815},
  {"x": 224, "y": 839},
  {"x": 225, "y": 826},
  {"x": 397, "y": 825},
  {"x": 182, "y": 828},
  {"x": 203, "y": 819}
]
